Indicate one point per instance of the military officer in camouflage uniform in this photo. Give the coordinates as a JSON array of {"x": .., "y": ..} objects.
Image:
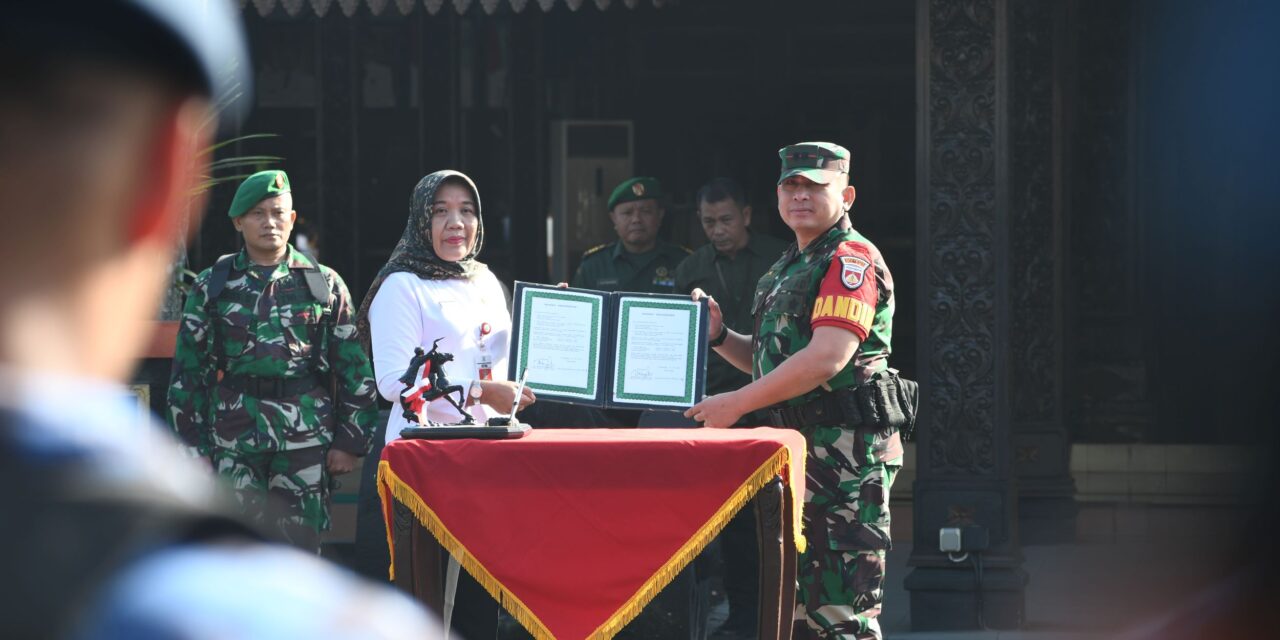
[
  {"x": 823, "y": 317},
  {"x": 638, "y": 261},
  {"x": 269, "y": 383}
]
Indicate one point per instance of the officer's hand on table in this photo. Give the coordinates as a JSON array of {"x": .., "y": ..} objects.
[
  {"x": 340, "y": 462},
  {"x": 716, "y": 412},
  {"x": 717, "y": 317},
  {"x": 499, "y": 394},
  {"x": 562, "y": 285}
]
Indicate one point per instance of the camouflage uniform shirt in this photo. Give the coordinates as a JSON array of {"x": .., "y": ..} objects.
[
  {"x": 839, "y": 280},
  {"x": 270, "y": 327}
]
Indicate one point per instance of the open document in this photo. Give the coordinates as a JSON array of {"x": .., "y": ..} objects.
[{"x": 632, "y": 350}]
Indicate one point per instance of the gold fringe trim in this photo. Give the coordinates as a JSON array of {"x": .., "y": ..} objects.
[
  {"x": 389, "y": 482},
  {"x": 774, "y": 466},
  {"x": 408, "y": 497},
  {"x": 796, "y": 468},
  {"x": 387, "y": 509}
]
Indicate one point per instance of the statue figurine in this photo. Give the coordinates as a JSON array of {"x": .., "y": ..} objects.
[{"x": 419, "y": 392}]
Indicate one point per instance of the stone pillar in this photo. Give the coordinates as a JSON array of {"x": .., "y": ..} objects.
[
  {"x": 964, "y": 455},
  {"x": 1041, "y": 445}
]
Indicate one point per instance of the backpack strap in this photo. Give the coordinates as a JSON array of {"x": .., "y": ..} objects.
[
  {"x": 217, "y": 282},
  {"x": 319, "y": 288},
  {"x": 321, "y": 343}
]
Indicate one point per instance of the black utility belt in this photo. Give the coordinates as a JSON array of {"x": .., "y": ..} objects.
[
  {"x": 824, "y": 410},
  {"x": 269, "y": 388},
  {"x": 884, "y": 402}
]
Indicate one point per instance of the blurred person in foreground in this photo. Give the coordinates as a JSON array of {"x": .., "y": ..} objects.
[{"x": 108, "y": 531}]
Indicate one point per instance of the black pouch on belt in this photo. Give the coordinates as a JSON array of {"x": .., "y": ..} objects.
[{"x": 890, "y": 401}]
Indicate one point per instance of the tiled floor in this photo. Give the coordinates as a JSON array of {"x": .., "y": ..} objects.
[
  {"x": 1079, "y": 590},
  {"x": 1076, "y": 591}
]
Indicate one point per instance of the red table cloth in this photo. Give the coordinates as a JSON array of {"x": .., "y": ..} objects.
[{"x": 574, "y": 531}]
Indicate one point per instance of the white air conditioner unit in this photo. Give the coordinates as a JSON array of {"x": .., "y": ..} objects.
[{"x": 588, "y": 159}]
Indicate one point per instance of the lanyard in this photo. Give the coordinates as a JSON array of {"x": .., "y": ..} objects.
[{"x": 484, "y": 362}]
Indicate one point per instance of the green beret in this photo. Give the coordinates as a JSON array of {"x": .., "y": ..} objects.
[
  {"x": 820, "y": 162},
  {"x": 256, "y": 188},
  {"x": 635, "y": 189}
]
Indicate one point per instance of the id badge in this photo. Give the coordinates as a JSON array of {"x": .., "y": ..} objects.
[{"x": 484, "y": 362}]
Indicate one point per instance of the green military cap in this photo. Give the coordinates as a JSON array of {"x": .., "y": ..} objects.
[
  {"x": 635, "y": 189},
  {"x": 820, "y": 162},
  {"x": 256, "y": 188}
]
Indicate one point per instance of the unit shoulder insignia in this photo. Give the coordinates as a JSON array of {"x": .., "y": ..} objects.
[{"x": 595, "y": 249}]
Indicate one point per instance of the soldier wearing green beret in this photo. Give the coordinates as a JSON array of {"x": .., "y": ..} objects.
[
  {"x": 818, "y": 358},
  {"x": 638, "y": 261},
  {"x": 269, "y": 381}
]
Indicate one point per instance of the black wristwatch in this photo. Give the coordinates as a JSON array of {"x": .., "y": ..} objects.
[{"x": 719, "y": 339}]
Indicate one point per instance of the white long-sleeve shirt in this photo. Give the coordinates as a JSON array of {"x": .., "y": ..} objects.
[{"x": 409, "y": 312}]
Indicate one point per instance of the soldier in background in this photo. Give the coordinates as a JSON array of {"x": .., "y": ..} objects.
[
  {"x": 727, "y": 269},
  {"x": 269, "y": 383},
  {"x": 638, "y": 261},
  {"x": 108, "y": 532},
  {"x": 819, "y": 360}
]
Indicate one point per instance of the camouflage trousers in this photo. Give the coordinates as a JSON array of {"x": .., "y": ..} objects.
[
  {"x": 840, "y": 577},
  {"x": 283, "y": 491}
]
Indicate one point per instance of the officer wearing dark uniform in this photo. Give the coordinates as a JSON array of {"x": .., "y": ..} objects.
[
  {"x": 638, "y": 261},
  {"x": 727, "y": 268},
  {"x": 818, "y": 355}
]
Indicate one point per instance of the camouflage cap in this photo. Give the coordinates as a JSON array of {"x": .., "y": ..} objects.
[
  {"x": 820, "y": 162},
  {"x": 635, "y": 189},
  {"x": 256, "y": 188}
]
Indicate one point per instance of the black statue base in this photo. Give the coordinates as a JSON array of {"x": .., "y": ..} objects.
[{"x": 459, "y": 432}]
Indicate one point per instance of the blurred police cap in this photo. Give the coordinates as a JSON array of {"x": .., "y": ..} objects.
[{"x": 198, "y": 45}]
